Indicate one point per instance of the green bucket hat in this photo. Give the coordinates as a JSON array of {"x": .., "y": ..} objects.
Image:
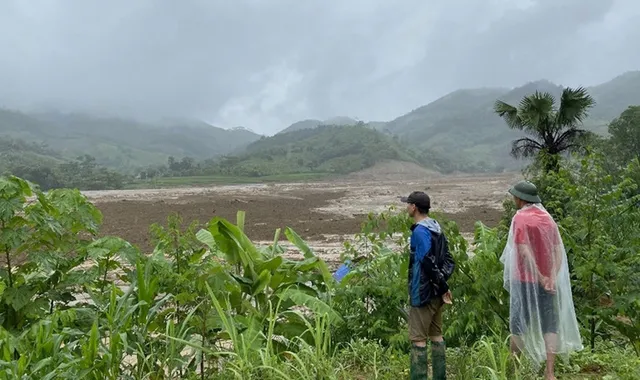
[{"x": 526, "y": 191}]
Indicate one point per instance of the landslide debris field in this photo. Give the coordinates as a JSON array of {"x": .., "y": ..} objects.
[{"x": 323, "y": 213}]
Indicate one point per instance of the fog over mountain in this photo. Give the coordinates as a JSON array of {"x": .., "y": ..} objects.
[{"x": 266, "y": 64}]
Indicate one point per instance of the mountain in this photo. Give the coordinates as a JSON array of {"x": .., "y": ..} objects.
[
  {"x": 340, "y": 120},
  {"x": 14, "y": 153},
  {"x": 614, "y": 96},
  {"x": 458, "y": 131},
  {"x": 300, "y": 125},
  {"x": 314, "y": 123},
  {"x": 323, "y": 149},
  {"x": 121, "y": 143},
  {"x": 442, "y": 109},
  {"x": 49, "y": 169},
  {"x": 461, "y": 129},
  {"x": 462, "y": 126}
]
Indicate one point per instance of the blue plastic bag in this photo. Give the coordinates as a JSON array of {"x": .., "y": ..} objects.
[{"x": 342, "y": 271}]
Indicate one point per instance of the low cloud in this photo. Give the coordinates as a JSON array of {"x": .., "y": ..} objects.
[{"x": 266, "y": 64}]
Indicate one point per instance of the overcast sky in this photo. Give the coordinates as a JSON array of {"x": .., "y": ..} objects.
[{"x": 264, "y": 64}]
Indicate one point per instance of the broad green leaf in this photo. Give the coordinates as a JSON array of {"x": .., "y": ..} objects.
[
  {"x": 18, "y": 297},
  {"x": 206, "y": 238},
  {"x": 271, "y": 264},
  {"x": 294, "y": 238},
  {"x": 233, "y": 243},
  {"x": 240, "y": 220},
  {"x": 307, "y": 264},
  {"x": 262, "y": 282},
  {"x": 112, "y": 246},
  {"x": 313, "y": 303},
  {"x": 276, "y": 280}
]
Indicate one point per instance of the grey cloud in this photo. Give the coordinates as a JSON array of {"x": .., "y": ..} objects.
[{"x": 265, "y": 64}]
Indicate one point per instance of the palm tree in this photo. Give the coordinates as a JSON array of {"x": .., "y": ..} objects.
[{"x": 552, "y": 130}]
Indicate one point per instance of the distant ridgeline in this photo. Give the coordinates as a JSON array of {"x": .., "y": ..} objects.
[
  {"x": 124, "y": 145},
  {"x": 458, "y": 132},
  {"x": 324, "y": 149},
  {"x": 50, "y": 169}
]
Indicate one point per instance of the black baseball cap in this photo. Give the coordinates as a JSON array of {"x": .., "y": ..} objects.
[{"x": 418, "y": 198}]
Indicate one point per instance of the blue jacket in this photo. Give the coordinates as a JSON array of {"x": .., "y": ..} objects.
[{"x": 430, "y": 264}]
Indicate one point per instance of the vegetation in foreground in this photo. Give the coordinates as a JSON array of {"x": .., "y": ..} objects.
[{"x": 208, "y": 303}]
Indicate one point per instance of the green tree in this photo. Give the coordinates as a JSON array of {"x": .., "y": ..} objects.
[
  {"x": 625, "y": 135},
  {"x": 550, "y": 128},
  {"x": 41, "y": 242}
]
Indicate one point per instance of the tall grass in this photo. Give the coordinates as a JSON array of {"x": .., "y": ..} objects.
[{"x": 213, "y": 305}]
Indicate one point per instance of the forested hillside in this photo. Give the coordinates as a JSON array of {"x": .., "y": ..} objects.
[
  {"x": 463, "y": 131},
  {"x": 326, "y": 149},
  {"x": 50, "y": 169},
  {"x": 123, "y": 144},
  {"x": 613, "y": 97},
  {"x": 457, "y": 132},
  {"x": 314, "y": 123},
  {"x": 463, "y": 126}
]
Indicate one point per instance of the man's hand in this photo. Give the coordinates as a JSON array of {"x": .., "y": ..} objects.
[
  {"x": 447, "y": 297},
  {"x": 548, "y": 283}
]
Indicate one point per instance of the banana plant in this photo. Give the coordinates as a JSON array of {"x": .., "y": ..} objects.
[{"x": 267, "y": 278}]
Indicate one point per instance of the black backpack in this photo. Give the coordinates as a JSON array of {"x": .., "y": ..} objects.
[{"x": 441, "y": 259}]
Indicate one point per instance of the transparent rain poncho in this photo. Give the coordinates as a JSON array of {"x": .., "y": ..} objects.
[{"x": 536, "y": 275}]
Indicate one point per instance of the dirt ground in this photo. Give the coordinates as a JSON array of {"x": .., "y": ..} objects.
[{"x": 323, "y": 213}]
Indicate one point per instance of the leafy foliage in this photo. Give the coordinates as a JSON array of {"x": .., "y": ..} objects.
[
  {"x": 209, "y": 303},
  {"x": 552, "y": 129},
  {"x": 599, "y": 213},
  {"x": 481, "y": 307},
  {"x": 190, "y": 294},
  {"x": 326, "y": 149},
  {"x": 49, "y": 169},
  {"x": 121, "y": 144},
  {"x": 48, "y": 234},
  {"x": 372, "y": 296},
  {"x": 625, "y": 135}
]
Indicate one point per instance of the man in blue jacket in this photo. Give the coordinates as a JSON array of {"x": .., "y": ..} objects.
[{"x": 430, "y": 266}]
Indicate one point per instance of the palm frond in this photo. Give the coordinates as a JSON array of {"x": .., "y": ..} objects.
[
  {"x": 570, "y": 139},
  {"x": 509, "y": 113},
  {"x": 541, "y": 103},
  {"x": 537, "y": 112},
  {"x": 574, "y": 106},
  {"x": 525, "y": 147}
]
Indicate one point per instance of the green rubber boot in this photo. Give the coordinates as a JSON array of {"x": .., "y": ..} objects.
[
  {"x": 418, "y": 369},
  {"x": 438, "y": 360}
]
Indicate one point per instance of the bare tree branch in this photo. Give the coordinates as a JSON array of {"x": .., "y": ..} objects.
[{"x": 525, "y": 147}]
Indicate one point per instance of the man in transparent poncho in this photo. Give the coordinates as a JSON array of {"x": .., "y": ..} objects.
[{"x": 542, "y": 317}]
